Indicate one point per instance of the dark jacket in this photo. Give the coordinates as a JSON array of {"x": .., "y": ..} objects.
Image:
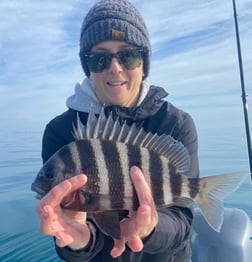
[{"x": 169, "y": 241}]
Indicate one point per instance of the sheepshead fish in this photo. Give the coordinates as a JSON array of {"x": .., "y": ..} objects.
[{"x": 105, "y": 149}]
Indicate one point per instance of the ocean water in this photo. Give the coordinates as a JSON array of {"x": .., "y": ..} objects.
[
  {"x": 20, "y": 239},
  {"x": 222, "y": 149}
]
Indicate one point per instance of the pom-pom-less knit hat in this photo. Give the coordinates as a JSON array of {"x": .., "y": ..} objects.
[{"x": 114, "y": 20}]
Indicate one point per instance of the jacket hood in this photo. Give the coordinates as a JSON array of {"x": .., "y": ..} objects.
[{"x": 149, "y": 102}]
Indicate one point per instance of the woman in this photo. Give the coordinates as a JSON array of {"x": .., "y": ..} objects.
[{"x": 115, "y": 56}]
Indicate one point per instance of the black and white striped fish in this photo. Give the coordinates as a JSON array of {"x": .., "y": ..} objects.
[{"x": 105, "y": 150}]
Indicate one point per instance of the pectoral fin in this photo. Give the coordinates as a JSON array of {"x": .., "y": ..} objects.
[{"x": 109, "y": 222}]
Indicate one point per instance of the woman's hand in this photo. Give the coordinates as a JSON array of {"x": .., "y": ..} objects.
[
  {"x": 69, "y": 227},
  {"x": 141, "y": 223}
]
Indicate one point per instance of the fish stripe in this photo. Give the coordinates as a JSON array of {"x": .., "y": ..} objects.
[
  {"x": 145, "y": 154},
  {"x": 134, "y": 155},
  {"x": 166, "y": 182},
  {"x": 175, "y": 181},
  {"x": 194, "y": 187},
  {"x": 128, "y": 187},
  {"x": 88, "y": 164},
  {"x": 76, "y": 157},
  {"x": 135, "y": 159},
  {"x": 156, "y": 177},
  {"x": 102, "y": 171},
  {"x": 68, "y": 162},
  {"x": 115, "y": 173}
]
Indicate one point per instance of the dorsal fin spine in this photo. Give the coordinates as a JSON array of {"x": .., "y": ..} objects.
[
  {"x": 89, "y": 123},
  {"x": 140, "y": 135},
  {"x": 123, "y": 131},
  {"x": 98, "y": 124},
  {"x": 113, "y": 130}
]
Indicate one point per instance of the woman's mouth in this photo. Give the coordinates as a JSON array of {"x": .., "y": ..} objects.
[{"x": 114, "y": 83}]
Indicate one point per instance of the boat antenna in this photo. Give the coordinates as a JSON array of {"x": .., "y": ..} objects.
[{"x": 244, "y": 100}]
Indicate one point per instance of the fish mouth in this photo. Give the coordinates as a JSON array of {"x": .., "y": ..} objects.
[{"x": 40, "y": 192}]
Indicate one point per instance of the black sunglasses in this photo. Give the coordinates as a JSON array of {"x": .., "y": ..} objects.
[{"x": 129, "y": 58}]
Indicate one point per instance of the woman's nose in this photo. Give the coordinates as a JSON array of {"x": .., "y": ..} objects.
[{"x": 115, "y": 66}]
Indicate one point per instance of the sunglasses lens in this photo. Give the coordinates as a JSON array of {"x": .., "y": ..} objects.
[
  {"x": 97, "y": 62},
  {"x": 129, "y": 58}
]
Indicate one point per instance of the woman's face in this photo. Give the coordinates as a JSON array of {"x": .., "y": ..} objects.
[{"x": 116, "y": 85}]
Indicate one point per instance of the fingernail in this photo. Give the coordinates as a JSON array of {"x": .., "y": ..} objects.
[
  {"x": 115, "y": 252},
  {"x": 82, "y": 178},
  {"x": 134, "y": 170}
]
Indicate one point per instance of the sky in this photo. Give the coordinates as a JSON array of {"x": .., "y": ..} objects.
[{"x": 194, "y": 57}]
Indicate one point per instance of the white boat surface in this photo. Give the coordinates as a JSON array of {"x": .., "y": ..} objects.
[{"x": 232, "y": 244}]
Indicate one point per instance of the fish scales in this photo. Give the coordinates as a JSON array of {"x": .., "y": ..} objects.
[
  {"x": 75, "y": 156},
  {"x": 166, "y": 187},
  {"x": 102, "y": 172},
  {"x": 134, "y": 156},
  {"x": 107, "y": 177},
  {"x": 194, "y": 187},
  {"x": 105, "y": 149},
  {"x": 134, "y": 159},
  {"x": 129, "y": 192},
  {"x": 115, "y": 175},
  {"x": 66, "y": 158},
  {"x": 175, "y": 182},
  {"x": 156, "y": 178},
  {"x": 89, "y": 164}
]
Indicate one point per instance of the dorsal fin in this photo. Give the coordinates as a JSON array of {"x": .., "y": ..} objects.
[
  {"x": 111, "y": 129},
  {"x": 79, "y": 129}
]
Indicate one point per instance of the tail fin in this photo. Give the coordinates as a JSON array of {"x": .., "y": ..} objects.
[{"x": 212, "y": 191}]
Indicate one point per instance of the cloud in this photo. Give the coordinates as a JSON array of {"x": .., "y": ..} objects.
[
  {"x": 194, "y": 48},
  {"x": 194, "y": 52},
  {"x": 35, "y": 56}
]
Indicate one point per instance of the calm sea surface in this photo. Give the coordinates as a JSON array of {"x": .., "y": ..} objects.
[{"x": 222, "y": 150}]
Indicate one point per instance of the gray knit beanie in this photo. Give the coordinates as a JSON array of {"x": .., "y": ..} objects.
[{"x": 114, "y": 20}]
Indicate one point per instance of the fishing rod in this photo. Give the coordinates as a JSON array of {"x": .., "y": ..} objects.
[{"x": 244, "y": 99}]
